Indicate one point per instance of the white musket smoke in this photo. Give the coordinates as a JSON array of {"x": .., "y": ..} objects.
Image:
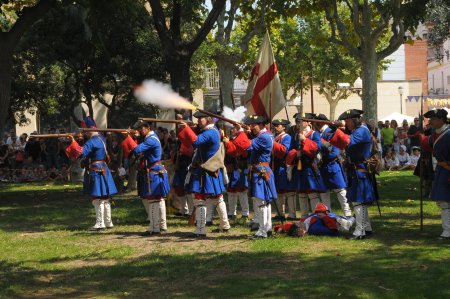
[
  {"x": 161, "y": 95},
  {"x": 237, "y": 115}
]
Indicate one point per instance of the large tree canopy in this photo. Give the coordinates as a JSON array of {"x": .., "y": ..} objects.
[
  {"x": 15, "y": 19},
  {"x": 80, "y": 53},
  {"x": 360, "y": 27}
]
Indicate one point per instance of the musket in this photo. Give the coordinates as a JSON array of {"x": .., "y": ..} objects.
[
  {"x": 327, "y": 122},
  {"x": 53, "y": 135},
  {"x": 233, "y": 122},
  {"x": 105, "y": 130},
  {"x": 166, "y": 121}
]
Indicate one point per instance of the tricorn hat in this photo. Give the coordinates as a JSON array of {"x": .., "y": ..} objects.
[
  {"x": 438, "y": 113},
  {"x": 321, "y": 116},
  {"x": 283, "y": 122},
  {"x": 199, "y": 114},
  {"x": 351, "y": 113},
  {"x": 255, "y": 119}
]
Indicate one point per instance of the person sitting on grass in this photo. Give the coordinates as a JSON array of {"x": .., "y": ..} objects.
[
  {"x": 390, "y": 160},
  {"x": 415, "y": 155},
  {"x": 403, "y": 158},
  {"x": 320, "y": 223}
]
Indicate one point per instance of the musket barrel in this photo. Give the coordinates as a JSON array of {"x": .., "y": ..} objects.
[
  {"x": 327, "y": 122},
  {"x": 222, "y": 118},
  {"x": 51, "y": 135},
  {"x": 104, "y": 130},
  {"x": 167, "y": 121}
]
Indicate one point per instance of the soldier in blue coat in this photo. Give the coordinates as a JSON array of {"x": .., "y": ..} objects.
[
  {"x": 205, "y": 178},
  {"x": 98, "y": 181},
  {"x": 331, "y": 167},
  {"x": 302, "y": 163},
  {"x": 153, "y": 181},
  {"x": 237, "y": 169},
  {"x": 282, "y": 142},
  {"x": 357, "y": 147},
  {"x": 439, "y": 144},
  {"x": 262, "y": 183}
]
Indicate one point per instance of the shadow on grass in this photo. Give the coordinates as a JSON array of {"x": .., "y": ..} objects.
[{"x": 370, "y": 273}]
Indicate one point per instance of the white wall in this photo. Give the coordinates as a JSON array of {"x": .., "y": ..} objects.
[{"x": 396, "y": 69}]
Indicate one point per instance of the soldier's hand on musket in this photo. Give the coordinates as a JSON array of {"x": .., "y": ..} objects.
[
  {"x": 182, "y": 125},
  {"x": 225, "y": 139},
  {"x": 301, "y": 137},
  {"x": 335, "y": 125}
]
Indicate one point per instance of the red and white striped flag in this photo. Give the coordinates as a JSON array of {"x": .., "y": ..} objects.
[{"x": 264, "y": 95}]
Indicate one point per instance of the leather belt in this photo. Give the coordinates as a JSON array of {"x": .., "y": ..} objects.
[
  {"x": 444, "y": 164},
  {"x": 261, "y": 164}
]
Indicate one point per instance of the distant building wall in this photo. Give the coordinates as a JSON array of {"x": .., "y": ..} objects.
[
  {"x": 396, "y": 69},
  {"x": 416, "y": 64}
]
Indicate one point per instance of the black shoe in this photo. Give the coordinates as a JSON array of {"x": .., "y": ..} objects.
[
  {"x": 290, "y": 219},
  {"x": 278, "y": 217},
  {"x": 96, "y": 229},
  {"x": 441, "y": 238},
  {"x": 198, "y": 236},
  {"x": 220, "y": 230},
  {"x": 146, "y": 234},
  {"x": 163, "y": 230},
  {"x": 269, "y": 233},
  {"x": 254, "y": 227},
  {"x": 186, "y": 215},
  {"x": 244, "y": 217},
  {"x": 209, "y": 223},
  {"x": 178, "y": 214},
  {"x": 231, "y": 217},
  {"x": 353, "y": 237},
  {"x": 369, "y": 232}
]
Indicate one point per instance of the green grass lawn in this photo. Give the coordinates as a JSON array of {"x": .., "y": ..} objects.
[{"x": 46, "y": 251}]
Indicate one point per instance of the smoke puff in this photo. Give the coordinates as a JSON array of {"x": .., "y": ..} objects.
[
  {"x": 237, "y": 115},
  {"x": 161, "y": 95}
]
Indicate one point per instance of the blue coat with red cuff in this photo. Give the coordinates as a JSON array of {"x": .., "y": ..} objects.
[
  {"x": 331, "y": 168},
  {"x": 281, "y": 145},
  {"x": 357, "y": 147},
  {"x": 237, "y": 167},
  {"x": 440, "y": 147},
  {"x": 201, "y": 182},
  {"x": 153, "y": 181},
  {"x": 263, "y": 182},
  {"x": 306, "y": 180},
  {"x": 98, "y": 181},
  {"x": 259, "y": 148}
]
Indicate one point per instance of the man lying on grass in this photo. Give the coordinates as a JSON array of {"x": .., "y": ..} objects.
[{"x": 320, "y": 223}]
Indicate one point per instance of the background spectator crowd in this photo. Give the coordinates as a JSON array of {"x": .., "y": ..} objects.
[{"x": 25, "y": 159}]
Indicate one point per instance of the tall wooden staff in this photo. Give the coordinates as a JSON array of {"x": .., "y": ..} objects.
[{"x": 422, "y": 164}]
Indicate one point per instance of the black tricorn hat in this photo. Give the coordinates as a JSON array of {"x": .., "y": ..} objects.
[
  {"x": 256, "y": 119},
  {"x": 199, "y": 114},
  {"x": 438, "y": 113},
  {"x": 321, "y": 116},
  {"x": 283, "y": 122},
  {"x": 351, "y": 113},
  {"x": 298, "y": 116}
]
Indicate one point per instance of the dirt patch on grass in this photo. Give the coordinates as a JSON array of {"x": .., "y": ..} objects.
[{"x": 179, "y": 241}]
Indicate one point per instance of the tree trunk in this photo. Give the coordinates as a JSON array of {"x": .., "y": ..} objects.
[
  {"x": 333, "y": 105},
  {"x": 369, "y": 66},
  {"x": 178, "y": 67},
  {"x": 225, "y": 65},
  {"x": 5, "y": 87}
]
